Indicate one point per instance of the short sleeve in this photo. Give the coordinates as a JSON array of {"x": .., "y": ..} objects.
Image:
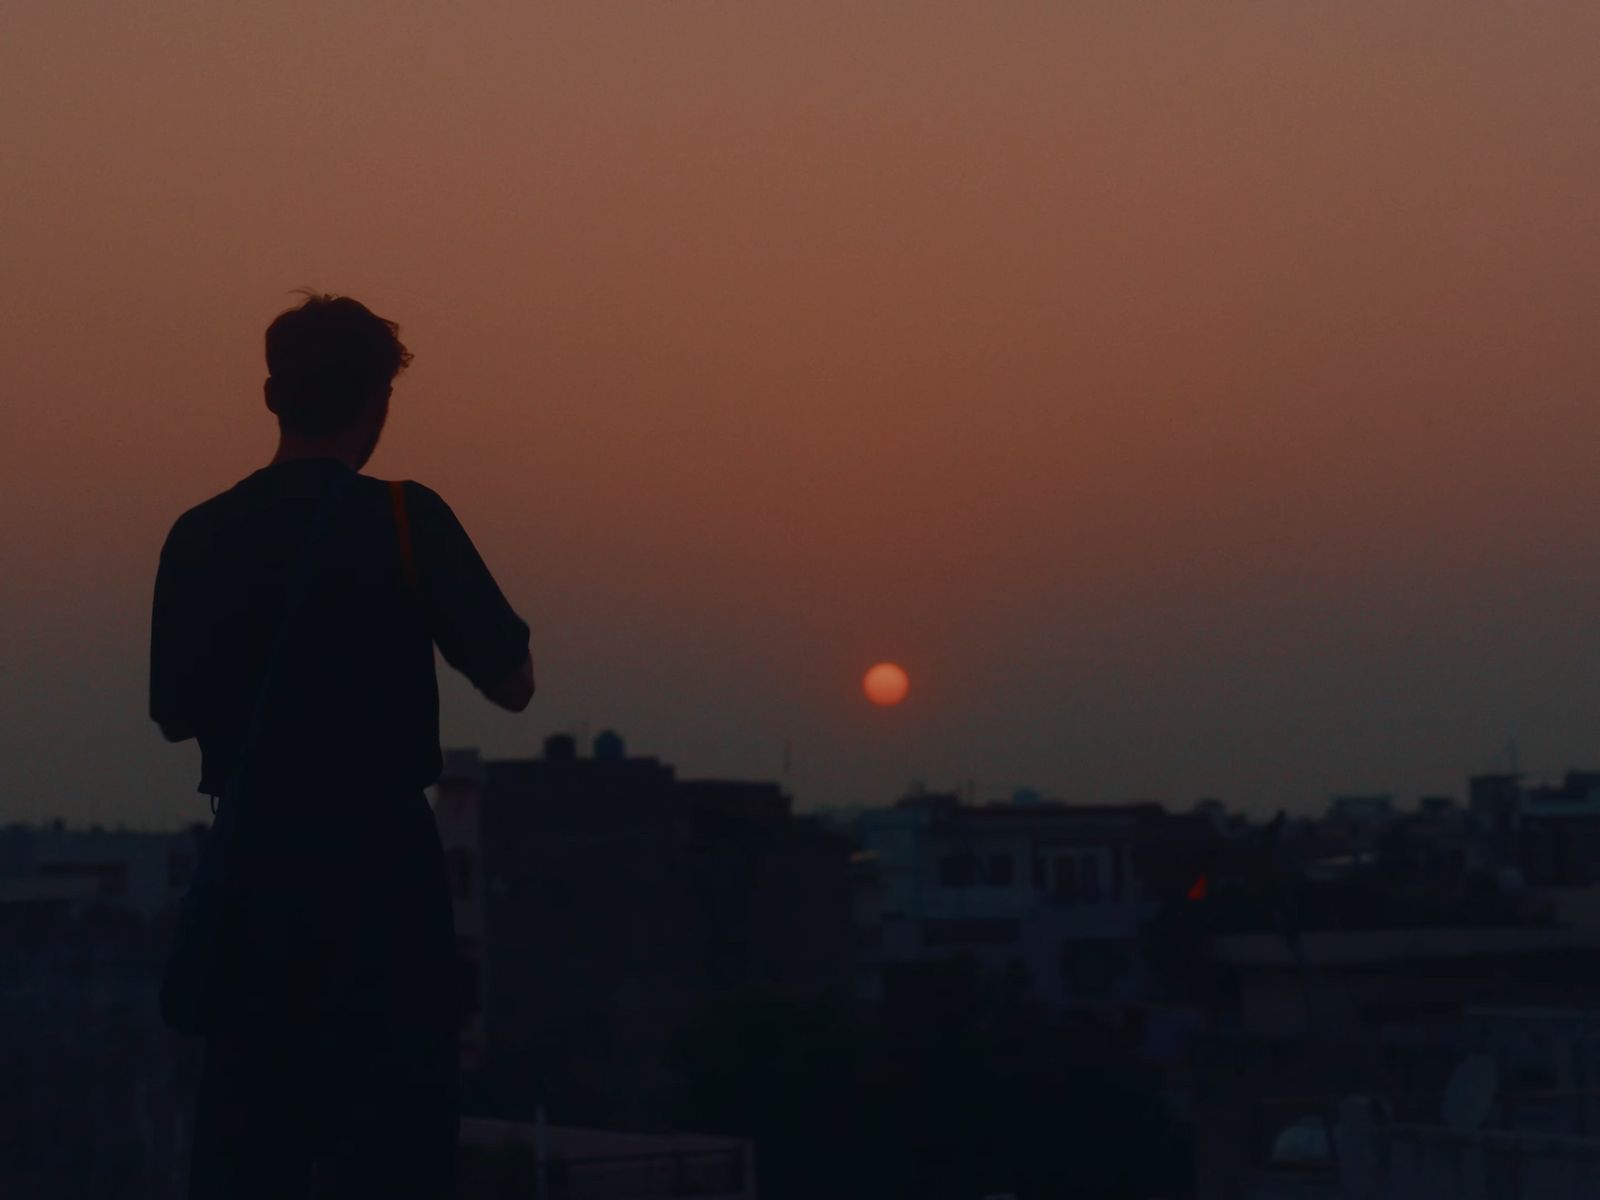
[
  {"x": 470, "y": 620},
  {"x": 175, "y": 635}
]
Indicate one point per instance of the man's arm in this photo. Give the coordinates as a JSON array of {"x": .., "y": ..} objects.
[
  {"x": 475, "y": 628},
  {"x": 174, "y": 635},
  {"x": 516, "y": 689}
]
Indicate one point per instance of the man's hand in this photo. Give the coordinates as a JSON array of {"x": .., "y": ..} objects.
[{"x": 516, "y": 689}]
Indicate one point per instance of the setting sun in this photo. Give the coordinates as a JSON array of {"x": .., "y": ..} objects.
[{"x": 885, "y": 684}]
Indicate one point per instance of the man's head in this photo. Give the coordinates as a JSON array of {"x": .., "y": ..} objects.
[{"x": 330, "y": 365}]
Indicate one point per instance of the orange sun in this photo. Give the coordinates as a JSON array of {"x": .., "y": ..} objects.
[{"x": 885, "y": 684}]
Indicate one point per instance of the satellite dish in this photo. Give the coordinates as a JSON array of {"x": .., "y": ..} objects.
[
  {"x": 1305, "y": 1143},
  {"x": 1469, "y": 1096}
]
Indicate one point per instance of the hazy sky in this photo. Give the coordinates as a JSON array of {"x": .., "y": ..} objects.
[{"x": 1194, "y": 398}]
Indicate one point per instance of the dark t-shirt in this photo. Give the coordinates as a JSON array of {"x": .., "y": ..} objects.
[{"x": 354, "y": 702}]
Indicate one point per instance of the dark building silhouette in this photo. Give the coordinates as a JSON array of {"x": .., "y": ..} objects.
[
  {"x": 1314, "y": 1030},
  {"x": 606, "y": 902},
  {"x": 1492, "y": 802},
  {"x": 1559, "y": 831},
  {"x": 1397, "y": 1003},
  {"x": 97, "y": 1093}
]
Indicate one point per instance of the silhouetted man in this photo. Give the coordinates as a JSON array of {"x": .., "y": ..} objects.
[{"x": 333, "y": 1053}]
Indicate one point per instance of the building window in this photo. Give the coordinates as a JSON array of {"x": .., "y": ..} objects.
[
  {"x": 958, "y": 870},
  {"x": 1000, "y": 871},
  {"x": 1093, "y": 968},
  {"x": 111, "y": 878},
  {"x": 970, "y": 931},
  {"x": 1067, "y": 877},
  {"x": 180, "y": 869},
  {"x": 1089, "y": 878}
]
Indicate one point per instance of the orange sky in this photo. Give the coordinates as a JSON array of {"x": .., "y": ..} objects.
[{"x": 1196, "y": 399}]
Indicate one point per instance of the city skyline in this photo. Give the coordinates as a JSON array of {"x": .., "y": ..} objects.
[
  {"x": 585, "y": 742},
  {"x": 1195, "y": 403}
]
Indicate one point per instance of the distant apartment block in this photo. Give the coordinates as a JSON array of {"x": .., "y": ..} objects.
[
  {"x": 1549, "y": 834},
  {"x": 1057, "y": 893},
  {"x": 1325, "y": 1065},
  {"x": 145, "y": 872},
  {"x": 85, "y": 918}
]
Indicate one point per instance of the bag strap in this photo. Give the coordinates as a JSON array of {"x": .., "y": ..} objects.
[
  {"x": 402, "y": 529},
  {"x": 299, "y": 588}
]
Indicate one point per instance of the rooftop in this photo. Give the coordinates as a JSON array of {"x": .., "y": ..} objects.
[{"x": 1364, "y": 946}]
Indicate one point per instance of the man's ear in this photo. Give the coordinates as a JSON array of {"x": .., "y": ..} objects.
[{"x": 271, "y": 394}]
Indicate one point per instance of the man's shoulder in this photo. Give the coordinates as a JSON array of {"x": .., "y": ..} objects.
[
  {"x": 196, "y": 527},
  {"x": 423, "y": 503},
  {"x": 419, "y": 491}
]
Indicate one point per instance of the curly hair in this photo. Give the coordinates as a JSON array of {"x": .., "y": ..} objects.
[{"x": 327, "y": 360}]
